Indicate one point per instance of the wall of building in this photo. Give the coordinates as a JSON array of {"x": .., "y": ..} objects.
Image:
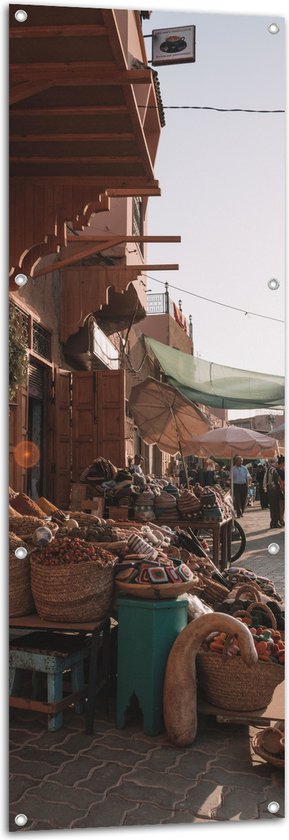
[{"x": 165, "y": 329}]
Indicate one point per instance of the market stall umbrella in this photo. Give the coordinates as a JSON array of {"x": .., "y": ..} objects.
[
  {"x": 165, "y": 417},
  {"x": 234, "y": 440}
]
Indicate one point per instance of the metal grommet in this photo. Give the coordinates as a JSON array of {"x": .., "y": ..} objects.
[
  {"x": 273, "y": 548},
  {"x": 21, "y": 279},
  {"x": 21, "y": 16},
  {"x": 21, "y": 820},
  {"x": 21, "y": 552},
  {"x": 273, "y": 28},
  {"x": 273, "y": 284},
  {"x": 273, "y": 807}
]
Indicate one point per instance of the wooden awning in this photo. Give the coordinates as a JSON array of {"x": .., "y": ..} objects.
[{"x": 77, "y": 133}]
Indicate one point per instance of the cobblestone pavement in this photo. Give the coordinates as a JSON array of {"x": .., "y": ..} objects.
[
  {"x": 256, "y": 524},
  {"x": 118, "y": 777}
]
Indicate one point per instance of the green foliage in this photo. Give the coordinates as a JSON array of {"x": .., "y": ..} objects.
[{"x": 17, "y": 352}]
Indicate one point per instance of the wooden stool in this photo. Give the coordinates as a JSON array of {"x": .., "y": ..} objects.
[
  {"x": 51, "y": 654},
  {"x": 146, "y": 632}
]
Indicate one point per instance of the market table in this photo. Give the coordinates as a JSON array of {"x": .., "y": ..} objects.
[
  {"x": 93, "y": 628},
  {"x": 221, "y": 531},
  {"x": 274, "y": 711}
]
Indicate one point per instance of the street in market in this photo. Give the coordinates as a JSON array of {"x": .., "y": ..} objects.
[{"x": 146, "y": 444}]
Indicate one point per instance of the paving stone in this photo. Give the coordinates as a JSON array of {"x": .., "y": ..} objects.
[
  {"x": 125, "y": 757},
  {"x": 111, "y": 812},
  {"x": 32, "y": 754},
  {"x": 192, "y": 763},
  {"x": 248, "y": 781},
  {"x": 18, "y": 785},
  {"x": 139, "y": 745},
  {"x": 146, "y": 794},
  {"x": 74, "y": 771},
  {"x": 56, "y": 792},
  {"x": 36, "y": 769},
  {"x": 102, "y": 778},
  {"x": 161, "y": 759},
  {"x": 148, "y": 777},
  {"x": 236, "y": 806},
  {"x": 146, "y": 815},
  {"x": 236, "y": 765},
  {"x": 185, "y": 817},
  {"x": 202, "y": 799},
  {"x": 52, "y": 740},
  {"x": 69, "y": 742}
]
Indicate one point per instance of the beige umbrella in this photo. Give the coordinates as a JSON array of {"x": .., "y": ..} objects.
[
  {"x": 165, "y": 417},
  {"x": 233, "y": 440}
]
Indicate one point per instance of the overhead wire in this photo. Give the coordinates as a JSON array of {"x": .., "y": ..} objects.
[
  {"x": 216, "y": 108},
  {"x": 216, "y": 302}
]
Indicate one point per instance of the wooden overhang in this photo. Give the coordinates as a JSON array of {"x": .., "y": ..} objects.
[{"x": 77, "y": 135}]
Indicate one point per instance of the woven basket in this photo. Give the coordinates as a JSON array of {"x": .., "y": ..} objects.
[
  {"x": 257, "y": 747},
  {"x": 247, "y": 589},
  {"x": 73, "y": 592},
  {"x": 20, "y": 594},
  {"x": 227, "y": 682}
]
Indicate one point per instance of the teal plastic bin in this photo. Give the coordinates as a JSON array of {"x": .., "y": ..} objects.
[{"x": 146, "y": 633}]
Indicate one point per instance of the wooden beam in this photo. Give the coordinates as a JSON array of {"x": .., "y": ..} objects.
[
  {"x": 57, "y": 31},
  {"x": 126, "y": 136},
  {"x": 22, "y": 90},
  {"x": 77, "y": 73},
  {"x": 62, "y": 111},
  {"x": 118, "y": 184},
  {"x": 140, "y": 268},
  {"x": 79, "y": 255},
  {"x": 114, "y": 192},
  {"x": 105, "y": 161},
  {"x": 125, "y": 238}
]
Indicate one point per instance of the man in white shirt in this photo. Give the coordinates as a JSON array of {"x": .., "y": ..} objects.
[{"x": 241, "y": 479}]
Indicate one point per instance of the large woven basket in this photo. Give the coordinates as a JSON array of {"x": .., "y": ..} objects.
[
  {"x": 74, "y": 592},
  {"x": 228, "y": 683},
  {"x": 20, "y": 594}
]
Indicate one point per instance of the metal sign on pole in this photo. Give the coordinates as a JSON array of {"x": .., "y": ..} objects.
[{"x": 173, "y": 46}]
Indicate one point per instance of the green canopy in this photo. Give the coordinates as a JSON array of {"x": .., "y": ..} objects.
[{"x": 217, "y": 385}]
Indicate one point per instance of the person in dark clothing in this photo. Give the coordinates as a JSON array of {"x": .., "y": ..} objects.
[
  {"x": 280, "y": 469},
  {"x": 272, "y": 483},
  {"x": 263, "y": 495}
]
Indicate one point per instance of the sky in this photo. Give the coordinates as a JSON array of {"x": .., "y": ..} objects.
[{"x": 222, "y": 177}]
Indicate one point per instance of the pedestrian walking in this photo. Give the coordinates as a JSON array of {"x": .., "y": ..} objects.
[
  {"x": 263, "y": 495},
  {"x": 272, "y": 485},
  {"x": 241, "y": 479},
  {"x": 280, "y": 469}
]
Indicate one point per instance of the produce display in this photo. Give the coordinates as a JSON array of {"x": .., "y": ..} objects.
[
  {"x": 69, "y": 551},
  {"x": 268, "y": 642},
  {"x": 26, "y": 506},
  {"x": 25, "y": 526},
  {"x": 49, "y": 509}
]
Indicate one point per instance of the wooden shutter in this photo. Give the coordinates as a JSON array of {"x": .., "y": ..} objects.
[
  {"x": 98, "y": 418},
  {"x": 84, "y": 421},
  {"x": 18, "y": 431},
  {"x": 61, "y": 439},
  {"x": 111, "y": 416}
]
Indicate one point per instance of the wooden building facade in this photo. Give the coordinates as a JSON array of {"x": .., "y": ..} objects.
[{"x": 85, "y": 122}]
